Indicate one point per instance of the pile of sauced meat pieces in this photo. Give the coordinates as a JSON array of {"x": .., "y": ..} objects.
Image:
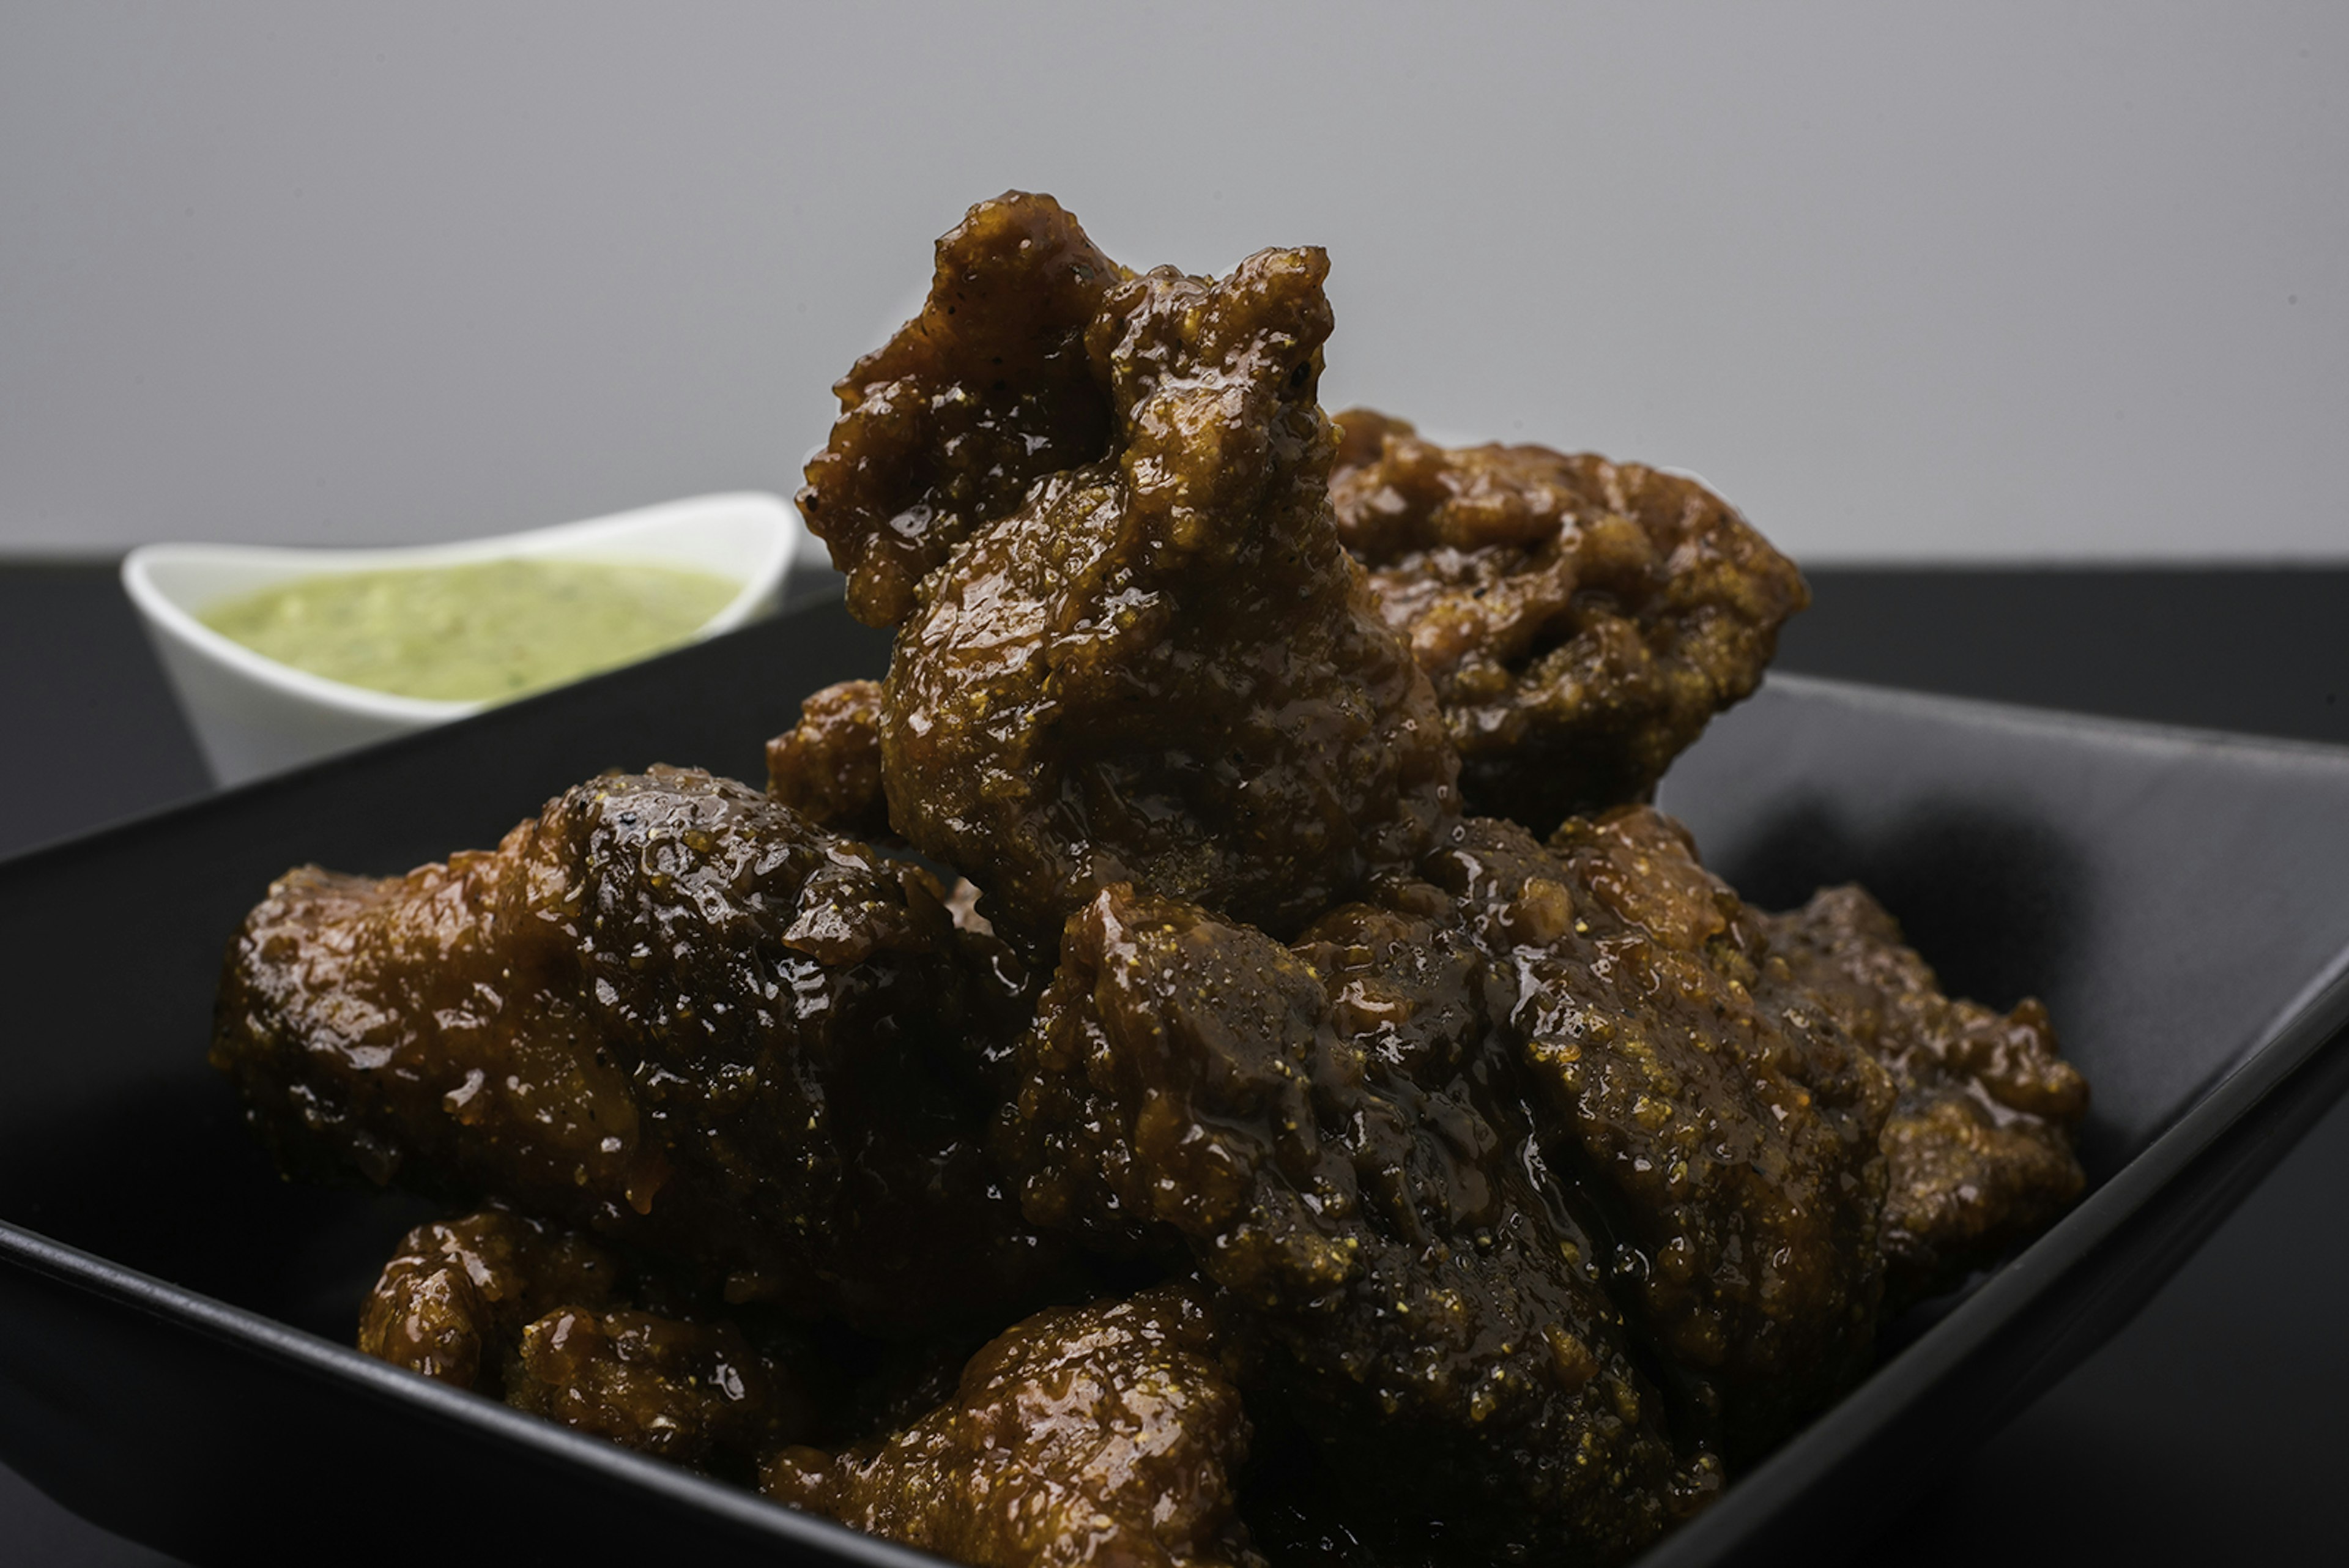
[{"x": 1328, "y": 1114}]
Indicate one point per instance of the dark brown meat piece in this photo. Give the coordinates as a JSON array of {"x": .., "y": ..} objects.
[
  {"x": 1980, "y": 1143},
  {"x": 989, "y": 388},
  {"x": 668, "y": 1011},
  {"x": 1331, "y": 1135},
  {"x": 1105, "y": 1434},
  {"x": 691, "y": 1392},
  {"x": 521, "y": 1310},
  {"x": 1727, "y": 1125},
  {"x": 827, "y": 769},
  {"x": 1163, "y": 667},
  {"x": 454, "y": 1300},
  {"x": 1582, "y": 619}
]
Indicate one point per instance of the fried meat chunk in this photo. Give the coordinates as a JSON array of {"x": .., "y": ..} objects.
[
  {"x": 1980, "y": 1143},
  {"x": 688, "y": 1391},
  {"x": 1331, "y": 1135},
  {"x": 1725, "y": 1122},
  {"x": 668, "y": 1011},
  {"x": 989, "y": 388},
  {"x": 536, "y": 1316},
  {"x": 1581, "y": 619},
  {"x": 1104, "y": 1434},
  {"x": 828, "y": 767},
  {"x": 1162, "y": 668},
  {"x": 456, "y": 1297}
]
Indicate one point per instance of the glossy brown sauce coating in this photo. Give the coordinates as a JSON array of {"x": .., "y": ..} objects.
[
  {"x": 828, "y": 767},
  {"x": 526, "y": 1312},
  {"x": 668, "y": 1011},
  {"x": 453, "y": 1301},
  {"x": 1979, "y": 1144},
  {"x": 1724, "y": 1123},
  {"x": 1107, "y": 1434},
  {"x": 1486, "y": 1198},
  {"x": 1335, "y": 1139},
  {"x": 1581, "y": 619},
  {"x": 694, "y": 1393},
  {"x": 1162, "y": 668},
  {"x": 989, "y": 388}
]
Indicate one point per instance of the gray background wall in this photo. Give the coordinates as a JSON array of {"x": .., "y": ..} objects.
[{"x": 1990, "y": 280}]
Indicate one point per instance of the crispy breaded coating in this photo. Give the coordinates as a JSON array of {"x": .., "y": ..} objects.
[
  {"x": 526, "y": 1312},
  {"x": 1162, "y": 668},
  {"x": 1727, "y": 1125},
  {"x": 989, "y": 388},
  {"x": 1980, "y": 1143},
  {"x": 1335, "y": 1141},
  {"x": 1106, "y": 1434},
  {"x": 828, "y": 767},
  {"x": 669, "y": 1011},
  {"x": 1581, "y": 619}
]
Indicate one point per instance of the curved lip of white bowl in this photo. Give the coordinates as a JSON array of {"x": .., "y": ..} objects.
[{"x": 263, "y": 670}]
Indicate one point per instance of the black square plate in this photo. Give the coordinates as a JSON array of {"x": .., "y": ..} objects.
[{"x": 175, "y": 1322}]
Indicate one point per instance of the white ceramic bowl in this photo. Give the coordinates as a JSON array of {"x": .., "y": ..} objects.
[{"x": 253, "y": 715}]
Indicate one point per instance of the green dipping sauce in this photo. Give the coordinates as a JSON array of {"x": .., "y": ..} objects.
[{"x": 477, "y": 633}]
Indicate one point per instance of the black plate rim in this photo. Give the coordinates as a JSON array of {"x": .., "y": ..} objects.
[
  {"x": 2312, "y": 1023},
  {"x": 2021, "y": 716},
  {"x": 1862, "y": 694},
  {"x": 2316, "y": 1020},
  {"x": 344, "y": 1365},
  {"x": 2263, "y": 1066}
]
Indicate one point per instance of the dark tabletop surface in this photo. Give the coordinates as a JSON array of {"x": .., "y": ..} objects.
[{"x": 2209, "y": 1429}]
